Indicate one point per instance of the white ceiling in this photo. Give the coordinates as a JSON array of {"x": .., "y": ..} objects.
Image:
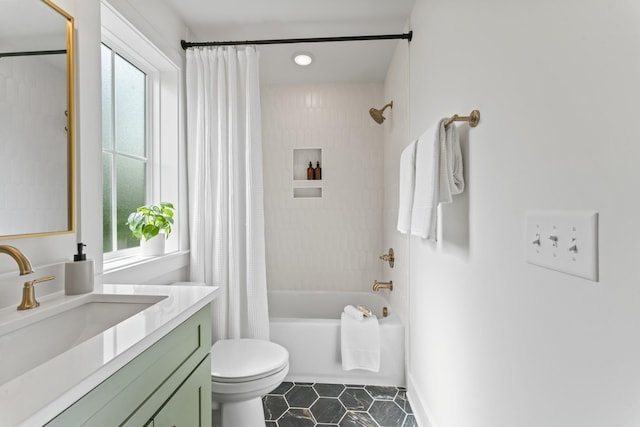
[{"x": 357, "y": 61}]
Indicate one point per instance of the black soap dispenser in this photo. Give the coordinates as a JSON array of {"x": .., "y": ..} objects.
[
  {"x": 78, "y": 275},
  {"x": 80, "y": 256}
]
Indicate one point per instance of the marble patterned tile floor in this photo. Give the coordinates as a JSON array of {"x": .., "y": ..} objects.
[{"x": 337, "y": 405}]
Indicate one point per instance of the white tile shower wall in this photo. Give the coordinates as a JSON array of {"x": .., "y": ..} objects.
[
  {"x": 32, "y": 132},
  {"x": 333, "y": 242}
]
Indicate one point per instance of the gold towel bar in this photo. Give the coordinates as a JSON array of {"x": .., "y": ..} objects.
[{"x": 472, "y": 118}]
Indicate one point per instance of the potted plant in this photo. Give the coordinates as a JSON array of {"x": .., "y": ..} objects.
[{"x": 148, "y": 223}]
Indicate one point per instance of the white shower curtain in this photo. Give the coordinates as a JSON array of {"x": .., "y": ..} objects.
[{"x": 226, "y": 213}]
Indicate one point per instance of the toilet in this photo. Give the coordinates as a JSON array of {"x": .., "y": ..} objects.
[{"x": 242, "y": 371}]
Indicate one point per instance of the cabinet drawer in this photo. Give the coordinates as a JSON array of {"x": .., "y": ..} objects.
[{"x": 190, "y": 405}]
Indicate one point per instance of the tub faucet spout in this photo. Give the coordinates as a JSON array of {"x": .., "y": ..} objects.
[
  {"x": 23, "y": 263},
  {"x": 382, "y": 285}
]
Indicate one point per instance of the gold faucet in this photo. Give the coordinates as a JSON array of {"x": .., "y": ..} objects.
[
  {"x": 29, "y": 294},
  {"x": 23, "y": 263},
  {"x": 382, "y": 285}
]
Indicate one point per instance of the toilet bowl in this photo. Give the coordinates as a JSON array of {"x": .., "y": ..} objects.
[{"x": 242, "y": 371}]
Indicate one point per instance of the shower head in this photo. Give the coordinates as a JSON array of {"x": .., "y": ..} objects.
[{"x": 377, "y": 114}]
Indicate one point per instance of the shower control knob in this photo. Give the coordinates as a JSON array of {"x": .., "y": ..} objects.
[{"x": 390, "y": 257}]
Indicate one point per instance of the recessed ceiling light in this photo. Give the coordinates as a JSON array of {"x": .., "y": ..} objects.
[{"x": 303, "y": 59}]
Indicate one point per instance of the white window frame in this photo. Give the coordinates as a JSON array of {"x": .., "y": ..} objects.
[{"x": 163, "y": 122}]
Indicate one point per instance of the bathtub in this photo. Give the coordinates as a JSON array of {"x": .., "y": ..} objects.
[{"x": 307, "y": 323}]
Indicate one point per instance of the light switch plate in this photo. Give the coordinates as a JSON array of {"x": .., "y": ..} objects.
[{"x": 565, "y": 241}]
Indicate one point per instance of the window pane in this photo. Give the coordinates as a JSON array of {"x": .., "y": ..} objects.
[
  {"x": 124, "y": 147},
  {"x": 130, "y": 107},
  {"x": 130, "y": 193},
  {"x": 107, "y": 187},
  {"x": 107, "y": 101}
]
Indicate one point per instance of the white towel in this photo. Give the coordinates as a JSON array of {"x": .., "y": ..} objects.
[
  {"x": 451, "y": 176},
  {"x": 360, "y": 343},
  {"x": 438, "y": 176},
  {"x": 354, "y": 312},
  {"x": 427, "y": 186},
  {"x": 406, "y": 187}
]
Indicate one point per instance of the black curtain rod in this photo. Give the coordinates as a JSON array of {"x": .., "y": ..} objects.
[
  {"x": 33, "y": 53},
  {"x": 404, "y": 36}
]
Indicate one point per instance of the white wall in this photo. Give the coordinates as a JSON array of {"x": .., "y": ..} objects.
[
  {"x": 333, "y": 242},
  {"x": 396, "y": 135},
  {"x": 496, "y": 342}
]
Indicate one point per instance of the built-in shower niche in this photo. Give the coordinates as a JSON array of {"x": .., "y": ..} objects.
[{"x": 302, "y": 186}]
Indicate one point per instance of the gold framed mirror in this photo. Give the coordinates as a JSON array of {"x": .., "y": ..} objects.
[{"x": 37, "y": 120}]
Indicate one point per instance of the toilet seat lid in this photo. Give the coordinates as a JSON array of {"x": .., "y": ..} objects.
[{"x": 238, "y": 360}]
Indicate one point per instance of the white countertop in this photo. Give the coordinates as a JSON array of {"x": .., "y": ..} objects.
[{"x": 38, "y": 395}]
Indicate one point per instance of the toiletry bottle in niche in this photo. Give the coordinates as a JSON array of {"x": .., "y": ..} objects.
[
  {"x": 317, "y": 172},
  {"x": 310, "y": 171},
  {"x": 78, "y": 275}
]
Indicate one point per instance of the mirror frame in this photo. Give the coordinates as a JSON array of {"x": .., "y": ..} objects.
[{"x": 71, "y": 127}]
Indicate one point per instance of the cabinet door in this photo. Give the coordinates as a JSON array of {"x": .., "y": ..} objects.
[{"x": 190, "y": 405}]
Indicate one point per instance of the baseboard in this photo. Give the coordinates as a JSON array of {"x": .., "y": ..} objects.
[{"x": 418, "y": 404}]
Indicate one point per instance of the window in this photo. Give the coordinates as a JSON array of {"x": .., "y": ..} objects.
[
  {"x": 125, "y": 147},
  {"x": 144, "y": 154}
]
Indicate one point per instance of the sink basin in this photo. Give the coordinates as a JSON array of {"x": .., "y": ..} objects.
[{"x": 30, "y": 341}]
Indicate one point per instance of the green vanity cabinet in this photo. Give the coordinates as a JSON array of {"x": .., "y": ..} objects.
[{"x": 169, "y": 384}]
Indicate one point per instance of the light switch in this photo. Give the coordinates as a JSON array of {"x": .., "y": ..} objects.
[{"x": 565, "y": 241}]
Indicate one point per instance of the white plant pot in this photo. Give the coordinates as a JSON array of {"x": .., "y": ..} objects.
[{"x": 153, "y": 246}]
